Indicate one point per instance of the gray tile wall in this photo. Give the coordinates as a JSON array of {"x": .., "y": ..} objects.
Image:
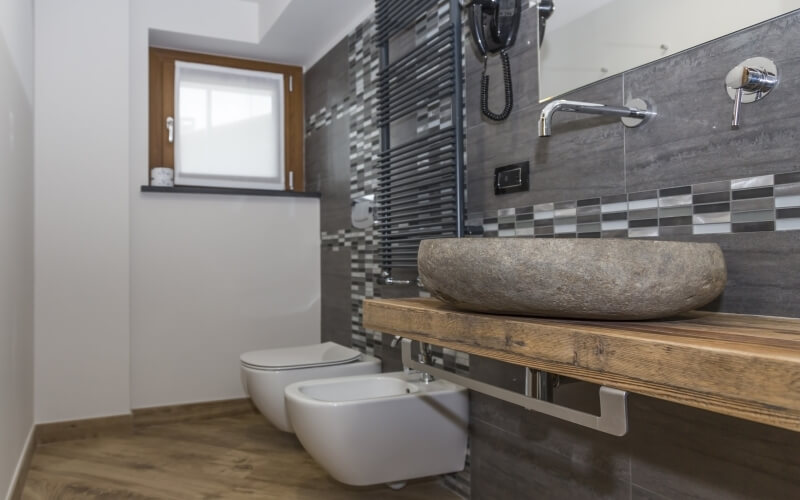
[
  {"x": 328, "y": 172},
  {"x": 342, "y": 143},
  {"x": 327, "y": 147},
  {"x": 335, "y": 289},
  {"x": 672, "y": 451}
]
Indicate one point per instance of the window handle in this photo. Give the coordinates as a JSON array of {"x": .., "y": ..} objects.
[{"x": 170, "y": 129}]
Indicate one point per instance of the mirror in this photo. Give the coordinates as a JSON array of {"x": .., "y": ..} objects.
[{"x": 589, "y": 40}]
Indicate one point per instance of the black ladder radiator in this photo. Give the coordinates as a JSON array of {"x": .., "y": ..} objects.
[{"x": 420, "y": 185}]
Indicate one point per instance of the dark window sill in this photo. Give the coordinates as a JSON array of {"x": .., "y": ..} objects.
[{"x": 233, "y": 191}]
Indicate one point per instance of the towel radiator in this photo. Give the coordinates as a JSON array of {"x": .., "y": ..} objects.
[{"x": 420, "y": 184}]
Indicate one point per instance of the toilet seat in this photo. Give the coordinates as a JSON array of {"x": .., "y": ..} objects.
[{"x": 292, "y": 358}]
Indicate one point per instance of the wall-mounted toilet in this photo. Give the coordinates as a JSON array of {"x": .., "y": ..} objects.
[
  {"x": 382, "y": 428},
  {"x": 266, "y": 373}
]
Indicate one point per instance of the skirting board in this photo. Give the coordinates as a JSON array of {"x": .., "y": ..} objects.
[
  {"x": 21, "y": 471},
  {"x": 84, "y": 429},
  {"x": 41, "y": 434},
  {"x": 192, "y": 411},
  {"x": 125, "y": 424}
]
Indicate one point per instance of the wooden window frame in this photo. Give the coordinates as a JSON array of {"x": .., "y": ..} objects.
[{"x": 162, "y": 105}]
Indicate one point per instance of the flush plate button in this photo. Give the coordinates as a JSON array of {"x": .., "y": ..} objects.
[{"x": 511, "y": 178}]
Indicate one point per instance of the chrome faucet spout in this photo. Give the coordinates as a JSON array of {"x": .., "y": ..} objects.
[
  {"x": 426, "y": 358},
  {"x": 638, "y": 111}
]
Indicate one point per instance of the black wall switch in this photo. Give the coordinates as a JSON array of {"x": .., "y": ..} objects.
[{"x": 511, "y": 178}]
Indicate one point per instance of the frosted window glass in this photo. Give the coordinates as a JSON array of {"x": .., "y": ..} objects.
[{"x": 228, "y": 127}]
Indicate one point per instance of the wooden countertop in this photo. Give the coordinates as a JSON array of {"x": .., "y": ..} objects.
[{"x": 743, "y": 366}]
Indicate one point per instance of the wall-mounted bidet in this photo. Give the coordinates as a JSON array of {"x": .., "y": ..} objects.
[
  {"x": 265, "y": 374},
  {"x": 385, "y": 428}
]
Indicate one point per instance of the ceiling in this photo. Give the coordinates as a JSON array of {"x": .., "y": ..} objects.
[{"x": 297, "y": 32}]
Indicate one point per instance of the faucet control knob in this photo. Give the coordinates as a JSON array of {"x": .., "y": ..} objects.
[{"x": 750, "y": 81}]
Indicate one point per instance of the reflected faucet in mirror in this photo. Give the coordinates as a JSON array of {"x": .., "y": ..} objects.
[
  {"x": 634, "y": 114},
  {"x": 587, "y": 41}
]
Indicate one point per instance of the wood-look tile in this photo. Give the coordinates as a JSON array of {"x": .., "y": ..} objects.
[
  {"x": 492, "y": 144},
  {"x": 83, "y": 429},
  {"x": 336, "y": 263},
  {"x": 328, "y": 172},
  {"x": 523, "y": 58},
  {"x": 639, "y": 493},
  {"x": 683, "y": 452},
  {"x": 580, "y": 448},
  {"x": 691, "y": 140},
  {"x": 239, "y": 457},
  {"x": 336, "y": 303},
  {"x": 560, "y": 168},
  {"x": 391, "y": 360},
  {"x": 506, "y": 466},
  {"x": 759, "y": 280},
  {"x": 325, "y": 83},
  {"x": 192, "y": 412}
]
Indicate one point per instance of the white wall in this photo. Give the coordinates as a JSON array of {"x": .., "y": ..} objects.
[
  {"x": 224, "y": 20},
  {"x": 16, "y": 233},
  {"x": 81, "y": 210},
  {"x": 296, "y": 32},
  {"x": 211, "y": 276},
  {"x": 147, "y": 299}
]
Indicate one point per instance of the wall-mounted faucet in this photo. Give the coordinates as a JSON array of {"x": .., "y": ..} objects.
[
  {"x": 633, "y": 114},
  {"x": 425, "y": 357},
  {"x": 749, "y": 82}
]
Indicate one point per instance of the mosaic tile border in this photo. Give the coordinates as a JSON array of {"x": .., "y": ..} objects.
[
  {"x": 325, "y": 116},
  {"x": 360, "y": 108},
  {"x": 364, "y": 271},
  {"x": 750, "y": 204}
]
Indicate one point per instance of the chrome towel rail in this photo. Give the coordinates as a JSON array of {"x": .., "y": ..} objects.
[{"x": 613, "y": 418}]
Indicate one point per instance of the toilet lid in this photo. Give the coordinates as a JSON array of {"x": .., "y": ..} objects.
[{"x": 307, "y": 356}]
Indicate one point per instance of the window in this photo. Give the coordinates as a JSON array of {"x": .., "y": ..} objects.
[{"x": 223, "y": 122}]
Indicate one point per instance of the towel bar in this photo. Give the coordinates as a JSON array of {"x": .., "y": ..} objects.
[{"x": 613, "y": 418}]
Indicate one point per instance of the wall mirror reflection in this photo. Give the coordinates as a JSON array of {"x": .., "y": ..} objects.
[{"x": 584, "y": 41}]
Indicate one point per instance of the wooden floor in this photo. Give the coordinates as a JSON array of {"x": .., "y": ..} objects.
[{"x": 233, "y": 457}]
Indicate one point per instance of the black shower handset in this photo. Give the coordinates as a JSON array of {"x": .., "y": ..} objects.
[{"x": 494, "y": 25}]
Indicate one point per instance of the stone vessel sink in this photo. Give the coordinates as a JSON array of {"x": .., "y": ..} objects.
[{"x": 614, "y": 279}]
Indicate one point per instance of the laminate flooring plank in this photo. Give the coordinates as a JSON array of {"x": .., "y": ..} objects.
[{"x": 238, "y": 457}]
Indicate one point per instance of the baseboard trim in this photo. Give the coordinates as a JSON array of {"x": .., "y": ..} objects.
[
  {"x": 141, "y": 417},
  {"x": 114, "y": 425},
  {"x": 23, "y": 464},
  {"x": 190, "y": 412}
]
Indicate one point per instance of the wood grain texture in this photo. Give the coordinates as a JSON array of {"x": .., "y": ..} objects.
[
  {"x": 743, "y": 366},
  {"x": 192, "y": 412},
  {"x": 240, "y": 457},
  {"x": 561, "y": 169},
  {"x": 120, "y": 425},
  {"x": 83, "y": 429},
  {"x": 692, "y": 141}
]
